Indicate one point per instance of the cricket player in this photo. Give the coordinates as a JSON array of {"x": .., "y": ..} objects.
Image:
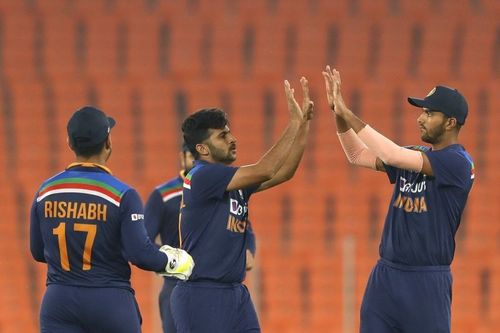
[
  {"x": 86, "y": 225},
  {"x": 214, "y": 216},
  {"x": 162, "y": 219},
  {"x": 409, "y": 289}
]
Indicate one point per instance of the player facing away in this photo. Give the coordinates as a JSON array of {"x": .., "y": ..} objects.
[
  {"x": 162, "y": 219},
  {"x": 410, "y": 287},
  {"x": 214, "y": 216},
  {"x": 87, "y": 225}
]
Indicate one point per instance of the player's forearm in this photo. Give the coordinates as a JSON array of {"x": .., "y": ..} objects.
[
  {"x": 291, "y": 164},
  {"x": 356, "y": 151},
  {"x": 274, "y": 158},
  {"x": 146, "y": 255},
  {"x": 141, "y": 251},
  {"x": 350, "y": 121},
  {"x": 341, "y": 124},
  {"x": 389, "y": 152}
]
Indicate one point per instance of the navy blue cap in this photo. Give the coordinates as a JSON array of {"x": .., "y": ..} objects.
[
  {"x": 89, "y": 127},
  {"x": 446, "y": 100}
]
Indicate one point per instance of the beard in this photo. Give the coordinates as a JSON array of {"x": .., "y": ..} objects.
[
  {"x": 222, "y": 156},
  {"x": 434, "y": 135}
]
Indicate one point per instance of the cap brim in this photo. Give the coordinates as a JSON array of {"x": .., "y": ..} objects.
[
  {"x": 418, "y": 102},
  {"x": 111, "y": 122}
]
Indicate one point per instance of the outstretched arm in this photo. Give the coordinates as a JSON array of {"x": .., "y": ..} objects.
[
  {"x": 272, "y": 161},
  {"x": 387, "y": 152},
  {"x": 356, "y": 151},
  {"x": 287, "y": 170}
]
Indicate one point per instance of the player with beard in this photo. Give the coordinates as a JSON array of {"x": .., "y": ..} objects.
[
  {"x": 162, "y": 219},
  {"x": 409, "y": 289},
  {"x": 214, "y": 216}
]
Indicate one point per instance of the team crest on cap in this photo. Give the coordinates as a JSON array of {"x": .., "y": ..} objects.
[{"x": 431, "y": 92}]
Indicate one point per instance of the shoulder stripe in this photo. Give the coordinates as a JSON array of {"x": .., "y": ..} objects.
[
  {"x": 82, "y": 187},
  {"x": 78, "y": 190},
  {"x": 169, "y": 189},
  {"x": 469, "y": 159},
  {"x": 83, "y": 182},
  {"x": 171, "y": 195}
]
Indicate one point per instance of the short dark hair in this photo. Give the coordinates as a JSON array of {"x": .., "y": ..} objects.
[
  {"x": 89, "y": 151},
  {"x": 195, "y": 128}
]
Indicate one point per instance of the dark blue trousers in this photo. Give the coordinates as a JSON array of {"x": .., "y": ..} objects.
[
  {"x": 165, "y": 310},
  {"x": 407, "y": 299},
  {"x": 67, "y": 309},
  {"x": 213, "y": 307}
]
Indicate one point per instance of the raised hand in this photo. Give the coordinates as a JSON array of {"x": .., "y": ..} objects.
[
  {"x": 305, "y": 112},
  {"x": 293, "y": 107},
  {"x": 333, "y": 94},
  {"x": 307, "y": 104}
]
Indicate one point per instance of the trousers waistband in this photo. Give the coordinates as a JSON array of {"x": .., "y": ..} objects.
[{"x": 408, "y": 268}]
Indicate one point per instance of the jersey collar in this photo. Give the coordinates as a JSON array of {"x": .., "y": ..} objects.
[{"x": 89, "y": 165}]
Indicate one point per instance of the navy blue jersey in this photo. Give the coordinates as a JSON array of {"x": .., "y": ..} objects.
[
  {"x": 214, "y": 223},
  {"x": 86, "y": 225},
  {"x": 424, "y": 213},
  {"x": 162, "y": 212}
]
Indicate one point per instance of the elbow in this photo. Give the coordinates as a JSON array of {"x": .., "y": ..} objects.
[
  {"x": 266, "y": 173},
  {"x": 38, "y": 257},
  {"x": 37, "y": 253},
  {"x": 286, "y": 177}
]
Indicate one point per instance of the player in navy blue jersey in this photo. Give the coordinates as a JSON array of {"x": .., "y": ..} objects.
[
  {"x": 87, "y": 225},
  {"x": 162, "y": 218},
  {"x": 214, "y": 216},
  {"x": 409, "y": 289}
]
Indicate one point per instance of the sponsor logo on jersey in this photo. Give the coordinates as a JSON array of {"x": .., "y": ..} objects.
[
  {"x": 407, "y": 187},
  {"x": 236, "y": 208},
  {"x": 136, "y": 217},
  {"x": 409, "y": 203}
]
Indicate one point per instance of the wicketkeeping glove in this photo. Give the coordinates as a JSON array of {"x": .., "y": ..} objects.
[{"x": 180, "y": 264}]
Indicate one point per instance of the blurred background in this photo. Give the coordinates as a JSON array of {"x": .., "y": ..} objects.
[{"x": 149, "y": 63}]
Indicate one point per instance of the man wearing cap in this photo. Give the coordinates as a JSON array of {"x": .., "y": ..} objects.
[
  {"x": 162, "y": 218},
  {"x": 87, "y": 225},
  {"x": 409, "y": 289}
]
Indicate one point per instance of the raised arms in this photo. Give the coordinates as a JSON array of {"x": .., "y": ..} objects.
[
  {"x": 365, "y": 140},
  {"x": 284, "y": 154}
]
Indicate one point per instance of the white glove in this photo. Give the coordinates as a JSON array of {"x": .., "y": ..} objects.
[{"x": 180, "y": 264}]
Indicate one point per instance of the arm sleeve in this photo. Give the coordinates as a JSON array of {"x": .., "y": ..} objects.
[
  {"x": 356, "y": 151},
  {"x": 36, "y": 240},
  {"x": 212, "y": 179},
  {"x": 451, "y": 168},
  {"x": 153, "y": 215},
  {"x": 137, "y": 246},
  {"x": 389, "y": 152}
]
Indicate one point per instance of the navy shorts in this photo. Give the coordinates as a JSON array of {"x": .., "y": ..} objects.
[
  {"x": 67, "y": 309},
  {"x": 407, "y": 299},
  {"x": 213, "y": 307},
  {"x": 164, "y": 300}
]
